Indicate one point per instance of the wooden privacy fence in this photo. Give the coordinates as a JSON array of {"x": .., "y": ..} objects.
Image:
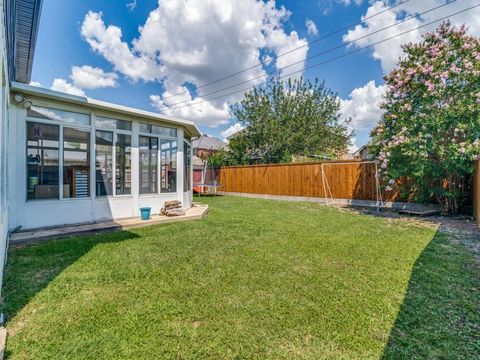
[{"x": 331, "y": 179}]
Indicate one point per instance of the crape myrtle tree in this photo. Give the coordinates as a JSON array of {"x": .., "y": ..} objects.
[
  {"x": 285, "y": 118},
  {"x": 429, "y": 133}
]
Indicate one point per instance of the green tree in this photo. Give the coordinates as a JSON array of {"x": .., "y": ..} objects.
[
  {"x": 430, "y": 130},
  {"x": 296, "y": 117}
]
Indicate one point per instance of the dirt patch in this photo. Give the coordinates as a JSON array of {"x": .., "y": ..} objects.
[{"x": 461, "y": 229}]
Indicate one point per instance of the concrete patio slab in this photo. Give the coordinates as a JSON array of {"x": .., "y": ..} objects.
[{"x": 197, "y": 212}]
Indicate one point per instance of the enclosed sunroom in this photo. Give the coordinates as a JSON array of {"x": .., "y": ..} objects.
[{"x": 78, "y": 160}]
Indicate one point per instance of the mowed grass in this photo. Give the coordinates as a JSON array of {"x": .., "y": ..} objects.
[{"x": 256, "y": 279}]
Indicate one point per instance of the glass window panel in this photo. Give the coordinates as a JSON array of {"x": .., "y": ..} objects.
[
  {"x": 42, "y": 161},
  {"x": 168, "y": 166},
  {"x": 58, "y": 115},
  {"x": 144, "y": 128},
  {"x": 112, "y": 124},
  {"x": 164, "y": 131},
  {"x": 148, "y": 153},
  {"x": 123, "y": 165},
  {"x": 103, "y": 163},
  {"x": 124, "y": 125},
  {"x": 187, "y": 166},
  {"x": 76, "y": 163},
  {"x": 158, "y": 130}
]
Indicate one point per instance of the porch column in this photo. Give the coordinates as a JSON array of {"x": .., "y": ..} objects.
[
  {"x": 180, "y": 165},
  {"x": 135, "y": 169}
]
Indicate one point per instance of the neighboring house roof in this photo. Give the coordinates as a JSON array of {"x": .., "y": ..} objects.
[
  {"x": 196, "y": 161},
  {"x": 208, "y": 142},
  {"x": 189, "y": 126},
  {"x": 22, "y": 18},
  {"x": 360, "y": 149}
]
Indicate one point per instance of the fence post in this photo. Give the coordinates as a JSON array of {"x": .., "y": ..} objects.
[{"x": 476, "y": 191}]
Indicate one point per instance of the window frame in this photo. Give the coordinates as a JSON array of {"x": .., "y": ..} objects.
[
  {"x": 61, "y": 125},
  {"x": 159, "y": 157},
  {"x": 92, "y": 129},
  {"x": 93, "y": 149},
  {"x": 59, "y": 165},
  {"x": 114, "y": 152},
  {"x": 103, "y": 117},
  {"x": 157, "y": 166},
  {"x": 91, "y": 187},
  {"x": 114, "y": 164}
]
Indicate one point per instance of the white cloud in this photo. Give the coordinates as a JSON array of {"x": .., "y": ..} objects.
[
  {"x": 311, "y": 27},
  {"x": 231, "y": 130},
  {"x": 363, "y": 108},
  {"x": 349, "y": 2},
  {"x": 197, "y": 42},
  {"x": 204, "y": 113},
  {"x": 87, "y": 77},
  {"x": 283, "y": 43},
  {"x": 389, "y": 51},
  {"x": 107, "y": 41},
  {"x": 63, "y": 86},
  {"x": 267, "y": 59},
  {"x": 132, "y": 5},
  {"x": 83, "y": 77},
  {"x": 35, "y": 83}
]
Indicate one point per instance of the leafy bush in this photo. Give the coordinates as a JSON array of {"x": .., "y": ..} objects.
[{"x": 430, "y": 129}]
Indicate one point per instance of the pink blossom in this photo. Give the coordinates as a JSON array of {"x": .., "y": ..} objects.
[
  {"x": 454, "y": 69},
  {"x": 430, "y": 85},
  {"x": 411, "y": 72},
  {"x": 434, "y": 51},
  {"x": 428, "y": 69}
]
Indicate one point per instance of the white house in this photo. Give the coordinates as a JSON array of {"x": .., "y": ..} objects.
[{"x": 67, "y": 159}]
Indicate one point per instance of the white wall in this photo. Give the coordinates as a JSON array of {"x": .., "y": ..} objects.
[{"x": 4, "y": 124}]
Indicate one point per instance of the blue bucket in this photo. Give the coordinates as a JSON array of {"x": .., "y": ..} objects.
[{"x": 145, "y": 213}]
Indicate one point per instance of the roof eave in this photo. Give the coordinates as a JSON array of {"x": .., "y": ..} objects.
[
  {"x": 22, "y": 20},
  {"x": 25, "y": 89}
]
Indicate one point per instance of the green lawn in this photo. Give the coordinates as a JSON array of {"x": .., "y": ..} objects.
[{"x": 256, "y": 279}]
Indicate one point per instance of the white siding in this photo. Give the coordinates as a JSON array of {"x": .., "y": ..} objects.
[{"x": 4, "y": 124}]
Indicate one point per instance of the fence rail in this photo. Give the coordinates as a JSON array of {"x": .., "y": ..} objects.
[{"x": 339, "y": 180}]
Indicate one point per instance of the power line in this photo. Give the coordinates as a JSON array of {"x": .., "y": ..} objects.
[
  {"x": 334, "y": 58},
  {"x": 288, "y": 52},
  {"x": 411, "y": 17}
]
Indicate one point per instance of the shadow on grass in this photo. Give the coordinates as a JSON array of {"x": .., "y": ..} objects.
[
  {"x": 439, "y": 318},
  {"x": 31, "y": 268}
]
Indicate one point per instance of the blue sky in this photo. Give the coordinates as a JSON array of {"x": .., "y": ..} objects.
[{"x": 96, "y": 48}]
